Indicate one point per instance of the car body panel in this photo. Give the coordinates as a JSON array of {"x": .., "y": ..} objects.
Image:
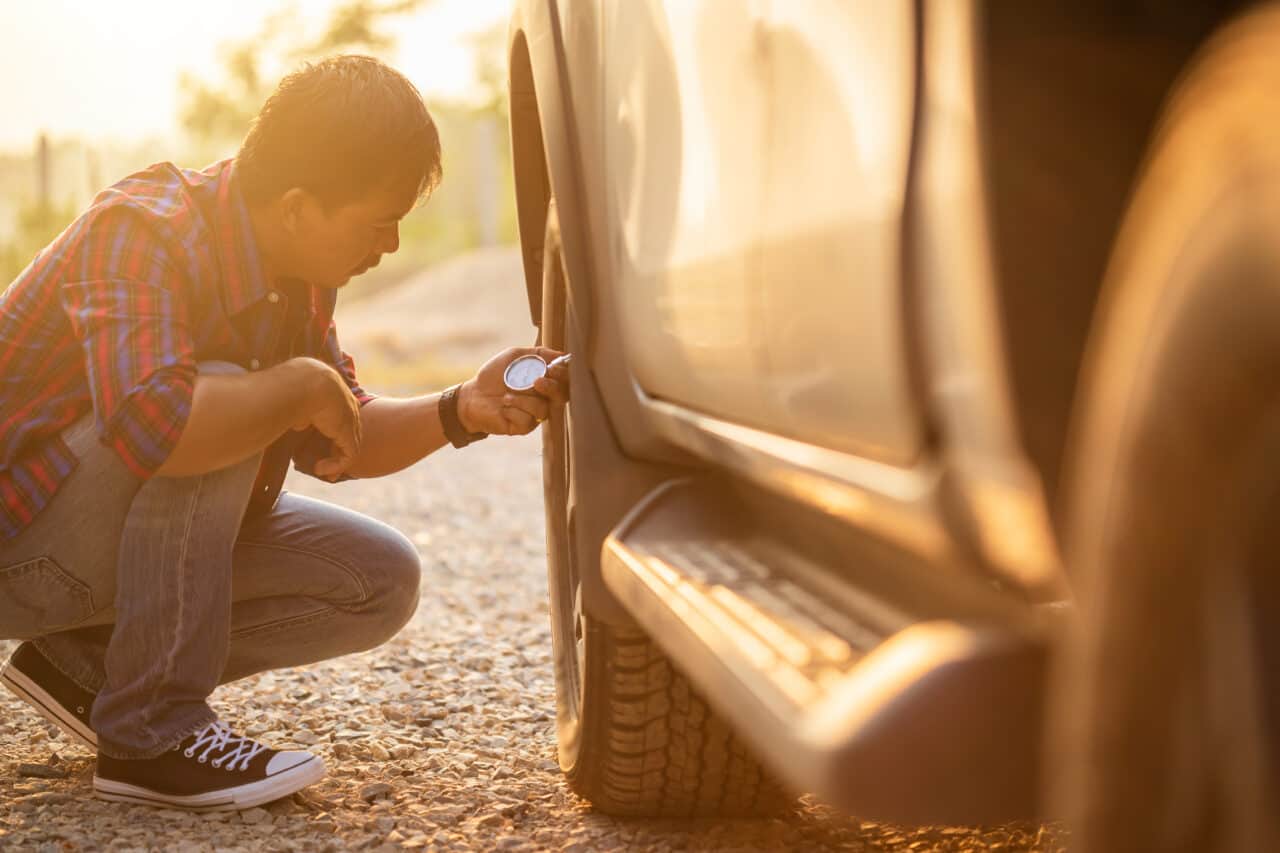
[
  {"x": 765, "y": 296},
  {"x": 840, "y": 103},
  {"x": 682, "y": 115}
]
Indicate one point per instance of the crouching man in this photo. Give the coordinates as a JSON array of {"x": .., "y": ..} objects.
[{"x": 162, "y": 362}]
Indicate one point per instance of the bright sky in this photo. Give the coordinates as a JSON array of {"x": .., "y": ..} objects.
[{"x": 109, "y": 68}]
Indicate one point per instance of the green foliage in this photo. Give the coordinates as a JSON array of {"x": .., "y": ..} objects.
[
  {"x": 221, "y": 113},
  {"x": 37, "y": 225}
]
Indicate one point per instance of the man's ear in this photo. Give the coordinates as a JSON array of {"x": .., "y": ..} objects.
[{"x": 291, "y": 206}]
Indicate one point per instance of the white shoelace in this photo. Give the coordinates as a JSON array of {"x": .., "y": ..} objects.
[{"x": 216, "y": 737}]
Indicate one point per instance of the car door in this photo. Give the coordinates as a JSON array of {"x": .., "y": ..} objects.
[
  {"x": 683, "y": 110},
  {"x": 756, "y": 155},
  {"x": 838, "y": 98}
]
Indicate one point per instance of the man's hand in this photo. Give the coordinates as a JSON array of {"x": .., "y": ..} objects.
[
  {"x": 334, "y": 411},
  {"x": 485, "y": 404}
]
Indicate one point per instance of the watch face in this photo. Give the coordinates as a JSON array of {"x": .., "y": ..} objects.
[{"x": 521, "y": 373}]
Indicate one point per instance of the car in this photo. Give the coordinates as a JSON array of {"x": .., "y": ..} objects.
[{"x": 921, "y": 452}]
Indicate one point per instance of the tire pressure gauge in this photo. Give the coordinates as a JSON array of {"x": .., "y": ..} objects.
[{"x": 527, "y": 369}]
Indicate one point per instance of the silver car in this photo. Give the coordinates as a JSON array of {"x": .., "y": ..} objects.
[{"x": 925, "y": 370}]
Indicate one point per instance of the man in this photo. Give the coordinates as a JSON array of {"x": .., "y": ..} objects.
[{"x": 161, "y": 363}]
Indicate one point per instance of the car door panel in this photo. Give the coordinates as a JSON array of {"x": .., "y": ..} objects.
[
  {"x": 839, "y": 93},
  {"x": 682, "y": 133}
]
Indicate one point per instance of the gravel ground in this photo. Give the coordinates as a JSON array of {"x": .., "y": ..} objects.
[{"x": 443, "y": 738}]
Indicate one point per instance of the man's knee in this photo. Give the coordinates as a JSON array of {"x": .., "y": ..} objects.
[{"x": 395, "y": 576}]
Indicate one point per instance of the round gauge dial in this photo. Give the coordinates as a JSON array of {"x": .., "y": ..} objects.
[{"x": 523, "y": 372}]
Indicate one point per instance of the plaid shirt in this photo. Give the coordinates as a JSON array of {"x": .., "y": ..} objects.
[{"x": 160, "y": 272}]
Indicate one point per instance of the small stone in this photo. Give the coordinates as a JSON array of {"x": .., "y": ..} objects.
[
  {"x": 379, "y": 752},
  {"x": 255, "y": 815},
  {"x": 45, "y": 798},
  {"x": 446, "y": 814},
  {"x": 374, "y": 790},
  {"x": 42, "y": 770}
]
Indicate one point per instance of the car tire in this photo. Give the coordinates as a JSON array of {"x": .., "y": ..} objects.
[
  {"x": 634, "y": 737},
  {"x": 1163, "y": 732}
]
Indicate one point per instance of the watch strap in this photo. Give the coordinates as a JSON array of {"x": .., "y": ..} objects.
[{"x": 453, "y": 428}]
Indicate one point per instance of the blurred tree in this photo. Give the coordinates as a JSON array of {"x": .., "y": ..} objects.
[
  {"x": 489, "y": 48},
  {"x": 218, "y": 113}
]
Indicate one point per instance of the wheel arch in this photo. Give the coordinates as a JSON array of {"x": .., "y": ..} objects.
[{"x": 544, "y": 150}]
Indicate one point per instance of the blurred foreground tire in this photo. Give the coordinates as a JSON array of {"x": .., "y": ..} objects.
[
  {"x": 1164, "y": 734},
  {"x": 634, "y": 736}
]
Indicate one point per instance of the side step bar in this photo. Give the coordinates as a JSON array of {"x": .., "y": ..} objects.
[{"x": 841, "y": 693}]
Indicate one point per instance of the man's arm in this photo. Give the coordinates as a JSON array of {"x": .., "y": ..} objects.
[
  {"x": 398, "y": 432},
  {"x": 234, "y": 416}
]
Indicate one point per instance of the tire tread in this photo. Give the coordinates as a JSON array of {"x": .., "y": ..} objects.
[{"x": 663, "y": 752}]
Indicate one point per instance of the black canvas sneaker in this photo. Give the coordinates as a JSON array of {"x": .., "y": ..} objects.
[
  {"x": 214, "y": 769},
  {"x": 57, "y": 698}
]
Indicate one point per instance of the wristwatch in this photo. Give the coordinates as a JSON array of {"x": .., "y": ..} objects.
[{"x": 453, "y": 428}]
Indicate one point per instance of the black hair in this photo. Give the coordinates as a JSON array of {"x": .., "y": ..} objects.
[{"x": 340, "y": 128}]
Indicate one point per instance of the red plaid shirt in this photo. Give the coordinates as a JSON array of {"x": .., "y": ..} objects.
[{"x": 160, "y": 272}]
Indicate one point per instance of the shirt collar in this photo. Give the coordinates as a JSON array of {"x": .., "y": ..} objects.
[{"x": 244, "y": 277}]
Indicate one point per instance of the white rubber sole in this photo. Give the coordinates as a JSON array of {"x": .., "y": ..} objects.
[
  {"x": 48, "y": 707},
  {"x": 242, "y": 797}
]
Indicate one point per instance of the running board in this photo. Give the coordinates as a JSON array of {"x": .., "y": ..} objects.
[{"x": 840, "y": 693}]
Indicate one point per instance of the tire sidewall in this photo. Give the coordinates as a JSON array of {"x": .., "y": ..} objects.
[{"x": 1181, "y": 383}]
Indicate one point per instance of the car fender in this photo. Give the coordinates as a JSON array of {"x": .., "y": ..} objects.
[{"x": 546, "y": 126}]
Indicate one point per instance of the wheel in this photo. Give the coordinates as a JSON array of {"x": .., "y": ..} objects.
[
  {"x": 634, "y": 737},
  {"x": 1166, "y": 712}
]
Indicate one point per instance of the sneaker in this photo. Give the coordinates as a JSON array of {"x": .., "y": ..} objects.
[
  {"x": 57, "y": 698},
  {"x": 211, "y": 770}
]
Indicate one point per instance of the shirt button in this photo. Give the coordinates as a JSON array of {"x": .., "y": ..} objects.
[
  {"x": 273, "y": 297},
  {"x": 254, "y": 364}
]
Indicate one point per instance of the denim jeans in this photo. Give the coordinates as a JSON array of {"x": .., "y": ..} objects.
[{"x": 151, "y": 593}]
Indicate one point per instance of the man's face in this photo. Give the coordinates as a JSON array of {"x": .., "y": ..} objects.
[{"x": 330, "y": 248}]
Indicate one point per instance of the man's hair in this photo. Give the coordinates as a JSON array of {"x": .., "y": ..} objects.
[{"x": 340, "y": 128}]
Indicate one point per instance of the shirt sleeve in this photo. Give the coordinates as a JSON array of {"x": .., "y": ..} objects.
[
  {"x": 139, "y": 361},
  {"x": 315, "y": 445},
  {"x": 346, "y": 365}
]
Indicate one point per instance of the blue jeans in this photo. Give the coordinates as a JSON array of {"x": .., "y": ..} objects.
[{"x": 151, "y": 593}]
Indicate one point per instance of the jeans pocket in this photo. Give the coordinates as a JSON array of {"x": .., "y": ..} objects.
[{"x": 37, "y": 597}]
